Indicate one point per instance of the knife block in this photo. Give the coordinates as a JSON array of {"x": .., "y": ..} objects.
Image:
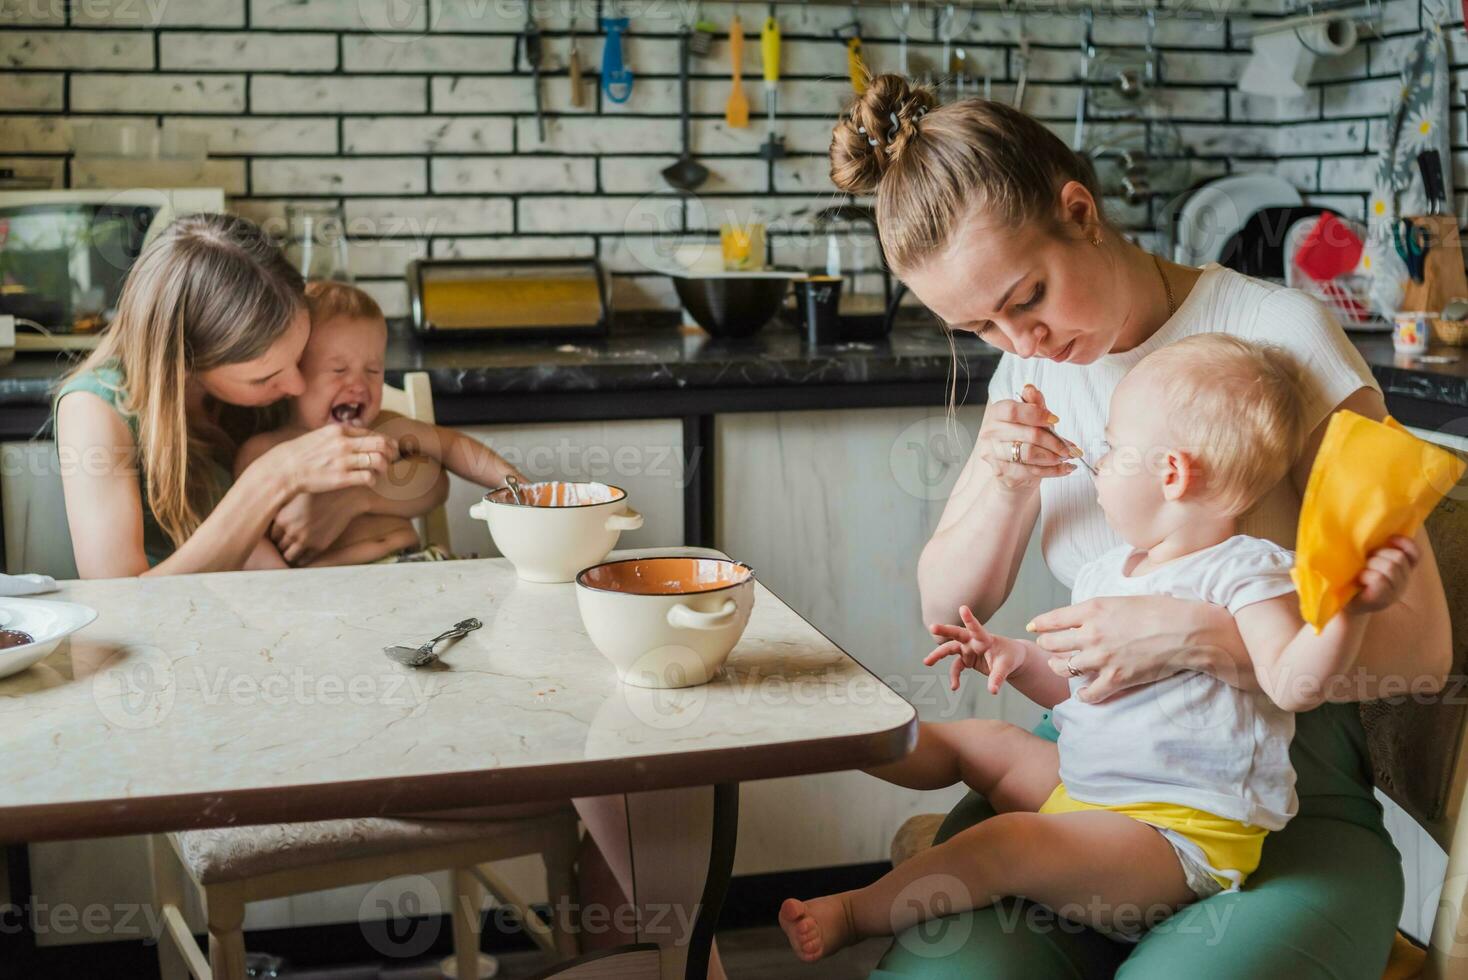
[{"x": 1442, "y": 268}]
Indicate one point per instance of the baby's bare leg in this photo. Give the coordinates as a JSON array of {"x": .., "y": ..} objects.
[
  {"x": 1012, "y": 768},
  {"x": 1101, "y": 869}
]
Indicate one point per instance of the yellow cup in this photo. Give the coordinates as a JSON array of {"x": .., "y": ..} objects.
[{"x": 743, "y": 246}]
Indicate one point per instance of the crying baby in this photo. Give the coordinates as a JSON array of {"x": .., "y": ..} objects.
[{"x": 342, "y": 368}]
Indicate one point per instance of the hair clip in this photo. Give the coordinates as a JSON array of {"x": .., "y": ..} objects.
[
  {"x": 863, "y": 131},
  {"x": 896, "y": 125}
]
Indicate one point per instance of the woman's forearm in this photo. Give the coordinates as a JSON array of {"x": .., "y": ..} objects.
[
  {"x": 226, "y": 538},
  {"x": 1391, "y": 666},
  {"x": 1214, "y": 646},
  {"x": 974, "y": 556}
]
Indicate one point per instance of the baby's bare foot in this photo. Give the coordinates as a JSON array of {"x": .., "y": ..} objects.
[{"x": 816, "y": 928}]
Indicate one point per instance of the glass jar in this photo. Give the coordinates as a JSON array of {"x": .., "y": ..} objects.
[{"x": 316, "y": 241}]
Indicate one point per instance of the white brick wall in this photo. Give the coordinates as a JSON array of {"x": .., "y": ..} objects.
[{"x": 415, "y": 117}]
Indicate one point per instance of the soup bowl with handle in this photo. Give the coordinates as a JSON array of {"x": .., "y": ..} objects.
[
  {"x": 558, "y": 528},
  {"x": 668, "y": 621}
]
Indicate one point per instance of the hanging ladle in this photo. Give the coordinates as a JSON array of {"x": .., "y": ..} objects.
[{"x": 686, "y": 174}]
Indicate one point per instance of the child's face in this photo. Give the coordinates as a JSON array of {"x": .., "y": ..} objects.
[
  {"x": 1137, "y": 478},
  {"x": 342, "y": 367}
]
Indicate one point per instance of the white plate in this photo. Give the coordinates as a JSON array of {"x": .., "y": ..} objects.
[
  {"x": 48, "y": 621},
  {"x": 1221, "y": 207}
]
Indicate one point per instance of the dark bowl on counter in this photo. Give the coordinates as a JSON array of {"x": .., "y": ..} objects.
[{"x": 733, "y": 304}]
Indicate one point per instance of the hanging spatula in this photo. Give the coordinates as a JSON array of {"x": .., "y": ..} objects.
[{"x": 736, "y": 112}]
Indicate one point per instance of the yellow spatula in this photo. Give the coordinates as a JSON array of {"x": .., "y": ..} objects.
[{"x": 736, "y": 113}]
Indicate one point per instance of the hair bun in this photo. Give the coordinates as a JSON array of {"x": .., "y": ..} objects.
[{"x": 873, "y": 133}]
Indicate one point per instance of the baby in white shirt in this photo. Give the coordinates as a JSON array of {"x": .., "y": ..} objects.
[{"x": 1163, "y": 794}]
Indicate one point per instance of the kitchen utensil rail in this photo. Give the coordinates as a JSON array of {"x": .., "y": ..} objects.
[{"x": 998, "y": 6}]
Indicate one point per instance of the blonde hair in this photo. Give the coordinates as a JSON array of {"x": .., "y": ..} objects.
[
  {"x": 930, "y": 166},
  {"x": 1239, "y": 407},
  {"x": 211, "y": 290},
  {"x": 328, "y": 299}
]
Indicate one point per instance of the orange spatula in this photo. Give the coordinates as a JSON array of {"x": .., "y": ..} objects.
[{"x": 736, "y": 113}]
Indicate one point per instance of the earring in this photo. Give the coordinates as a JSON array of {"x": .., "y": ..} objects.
[{"x": 1096, "y": 241}]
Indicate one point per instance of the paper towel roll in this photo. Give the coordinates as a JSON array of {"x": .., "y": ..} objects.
[
  {"x": 1283, "y": 60},
  {"x": 1328, "y": 39}
]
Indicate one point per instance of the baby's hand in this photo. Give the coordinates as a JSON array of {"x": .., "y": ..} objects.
[
  {"x": 977, "y": 649},
  {"x": 1385, "y": 577}
]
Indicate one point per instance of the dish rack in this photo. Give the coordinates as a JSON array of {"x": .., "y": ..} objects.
[{"x": 1347, "y": 296}]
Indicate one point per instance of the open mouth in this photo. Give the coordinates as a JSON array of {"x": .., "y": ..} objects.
[{"x": 347, "y": 413}]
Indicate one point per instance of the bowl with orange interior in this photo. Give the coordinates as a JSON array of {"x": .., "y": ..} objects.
[
  {"x": 666, "y": 622},
  {"x": 556, "y": 528}
]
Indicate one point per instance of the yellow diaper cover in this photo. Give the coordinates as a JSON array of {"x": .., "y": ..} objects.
[{"x": 1231, "y": 848}]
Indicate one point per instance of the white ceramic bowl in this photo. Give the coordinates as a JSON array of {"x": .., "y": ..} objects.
[
  {"x": 47, "y": 621},
  {"x": 560, "y": 528},
  {"x": 666, "y": 622}
]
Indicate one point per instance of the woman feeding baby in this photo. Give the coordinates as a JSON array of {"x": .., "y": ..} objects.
[
  {"x": 342, "y": 370},
  {"x": 998, "y": 228},
  {"x": 1163, "y": 796}
]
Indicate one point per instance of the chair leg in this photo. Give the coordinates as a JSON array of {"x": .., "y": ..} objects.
[
  {"x": 226, "y": 915},
  {"x": 506, "y": 897},
  {"x": 560, "y": 889},
  {"x": 167, "y": 893},
  {"x": 468, "y": 901}
]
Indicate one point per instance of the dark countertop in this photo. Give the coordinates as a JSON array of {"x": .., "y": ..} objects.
[
  {"x": 1404, "y": 378},
  {"x": 646, "y": 358},
  {"x": 664, "y": 369},
  {"x": 668, "y": 371}
]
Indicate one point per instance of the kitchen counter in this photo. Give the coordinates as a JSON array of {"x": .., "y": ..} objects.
[
  {"x": 649, "y": 371},
  {"x": 494, "y": 374},
  {"x": 1432, "y": 394}
]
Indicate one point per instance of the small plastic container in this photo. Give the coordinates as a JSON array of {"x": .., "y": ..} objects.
[{"x": 1412, "y": 331}]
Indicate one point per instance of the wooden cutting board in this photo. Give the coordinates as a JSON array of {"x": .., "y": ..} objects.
[{"x": 1442, "y": 271}]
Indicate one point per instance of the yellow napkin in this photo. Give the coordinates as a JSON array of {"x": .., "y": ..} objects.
[{"x": 1370, "y": 481}]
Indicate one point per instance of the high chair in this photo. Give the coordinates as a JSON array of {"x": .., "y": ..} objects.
[
  {"x": 415, "y": 401},
  {"x": 1419, "y": 754},
  {"x": 229, "y": 867}
]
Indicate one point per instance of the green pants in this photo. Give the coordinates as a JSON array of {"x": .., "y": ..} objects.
[{"x": 1324, "y": 902}]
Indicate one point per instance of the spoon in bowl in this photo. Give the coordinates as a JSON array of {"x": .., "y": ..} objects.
[{"x": 424, "y": 655}]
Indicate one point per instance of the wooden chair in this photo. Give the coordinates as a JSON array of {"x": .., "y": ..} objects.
[
  {"x": 1419, "y": 755},
  {"x": 415, "y": 400},
  {"x": 230, "y": 867}
]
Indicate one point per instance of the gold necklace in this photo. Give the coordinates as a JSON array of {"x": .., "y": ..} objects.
[{"x": 1171, "y": 303}]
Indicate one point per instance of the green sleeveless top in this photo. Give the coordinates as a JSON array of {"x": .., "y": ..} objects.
[{"x": 108, "y": 383}]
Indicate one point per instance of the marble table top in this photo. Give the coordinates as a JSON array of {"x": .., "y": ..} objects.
[{"x": 252, "y": 697}]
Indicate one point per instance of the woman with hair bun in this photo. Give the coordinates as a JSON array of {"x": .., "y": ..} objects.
[{"x": 998, "y": 228}]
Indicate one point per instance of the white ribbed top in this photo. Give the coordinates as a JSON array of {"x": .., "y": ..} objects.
[{"x": 1073, "y": 529}]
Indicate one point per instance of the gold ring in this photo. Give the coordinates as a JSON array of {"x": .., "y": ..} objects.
[
  {"x": 1070, "y": 666},
  {"x": 1014, "y": 450}
]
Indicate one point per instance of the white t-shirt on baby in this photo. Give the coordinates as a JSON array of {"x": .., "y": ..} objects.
[{"x": 1188, "y": 739}]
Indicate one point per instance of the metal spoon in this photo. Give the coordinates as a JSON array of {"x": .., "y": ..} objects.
[
  {"x": 423, "y": 656},
  {"x": 514, "y": 485},
  {"x": 1051, "y": 429}
]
